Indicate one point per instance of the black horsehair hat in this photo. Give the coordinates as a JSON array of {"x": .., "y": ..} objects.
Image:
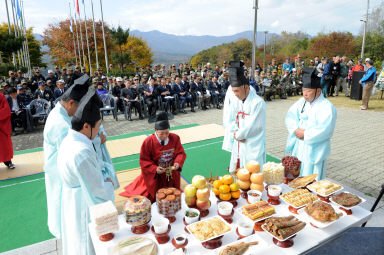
[
  {"x": 310, "y": 78},
  {"x": 89, "y": 107},
  {"x": 236, "y": 74},
  {"x": 79, "y": 88},
  {"x": 162, "y": 122}
]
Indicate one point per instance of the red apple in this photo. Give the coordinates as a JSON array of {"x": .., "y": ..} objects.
[
  {"x": 203, "y": 205},
  {"x": 190, "y": 190},
  {"x": 190, "y": 201},
  {"x": 203, "y": 194}
]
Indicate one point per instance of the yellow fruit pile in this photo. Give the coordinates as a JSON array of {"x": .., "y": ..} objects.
[
  {"x": 226, "y": 188},
  {"x": 250, "y": 177}
]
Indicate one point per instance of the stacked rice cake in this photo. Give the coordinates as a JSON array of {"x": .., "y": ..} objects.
[{"x": 104, "y": 216}]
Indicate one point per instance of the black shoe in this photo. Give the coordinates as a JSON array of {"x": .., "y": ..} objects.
[
  {"x": 183, "y": 111},
  {"x": 193, "y": 110},
  {"x": 10, "y": 165},
  {"x": 129, "y": 118},
  {"x": 141, "y": 117},
  {"x": 174, "y": 113},
  {"x": 218, "y": 107}
]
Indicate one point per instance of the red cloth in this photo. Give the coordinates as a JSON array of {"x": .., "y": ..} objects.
[
  {"x": 357, "y": 68},
  {"x": 6, "y": 149},
  {"x": 153, "y": 154}
]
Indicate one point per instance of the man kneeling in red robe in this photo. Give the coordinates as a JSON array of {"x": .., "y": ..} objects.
[{"x": 159, "y": 151}]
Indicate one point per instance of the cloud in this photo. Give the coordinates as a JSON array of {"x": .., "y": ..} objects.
[
  {"x": 275, "y": 24},
  {"x": 201, "y": 17}
]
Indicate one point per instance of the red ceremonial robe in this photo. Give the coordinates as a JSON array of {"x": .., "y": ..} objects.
[
  {"x": 6, "y": 149},
  {"x": 153, "y": 154}
]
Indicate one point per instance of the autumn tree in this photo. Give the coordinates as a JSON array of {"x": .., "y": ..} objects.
[
  {"x": 9, "y": 44},
  {"x": 59, "y": 38},
  {"x": 139, "y": 52},
  {"x": 119, "y": 37}
]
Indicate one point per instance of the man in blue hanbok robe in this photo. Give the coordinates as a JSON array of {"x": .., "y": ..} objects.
[
  {"x": 83, "y": 183},
  {"x": 310, "y": 123},
  {"x": 243, "y": 120},
  {"x": 55, "y": 130}
]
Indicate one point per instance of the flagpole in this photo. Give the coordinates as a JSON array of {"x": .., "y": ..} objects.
[
  {"x": 77, "y": 35},
  {"x": 81, "y": 32},
  {"x": 73, "y": 34},
  {"x": 94, "y": 36},
  {"x": 26, "y": 40},
  {"x": 86, "y": 35},
  {"x": 10, "y": 31},
  {"x": 14, "y": 28},
  {"x": 17, "y": 15},
  {"x": 21, "y": 32},
  {"x": 105, "y": 44}
]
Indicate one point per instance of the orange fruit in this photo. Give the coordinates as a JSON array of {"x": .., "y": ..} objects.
[
  {"x": 227, "y": 179},
  {"x": 234, "y": 186},
  {"x": 225, "y": 197},
  {"x": 217, "y": 184},
  {"x": 236, "y": 194},
  {"x": 224, "y": 189},
  {"x": 216, "y": 191}
]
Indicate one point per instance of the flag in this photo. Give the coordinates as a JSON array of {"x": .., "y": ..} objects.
[
  {"x": 70, "y": 25},
  {"x": 77, "y": 7},
  {"x": 19, "y": 14}
]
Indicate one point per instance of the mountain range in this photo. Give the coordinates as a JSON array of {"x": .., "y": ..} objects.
[{"x": 169, "y": 48}]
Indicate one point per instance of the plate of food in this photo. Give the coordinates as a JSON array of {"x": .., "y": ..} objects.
[
  {"x": 283, "y": 228},
  {"x": 209, "y": 229},
  {"x": 257, "y": 211},
  {"x": 324, "y": 188},
  {"x": 245, "y": 246},
  {"x": 137, "y": 245},
  {"x": 321, "y": 214},
  {"x": 301, "y": 182},
  {"x": 298, "y": 198},
  {"x": 346, "y": 200}
]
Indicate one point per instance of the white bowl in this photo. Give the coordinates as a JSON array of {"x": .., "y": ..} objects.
[
  {"x": 253, "y": 199},
  {"x": 274, "y": 190},
  {"x": 225, "y": 208},
  {"x": 245, "y": 227},
  {"x": 161, "y": 225},
  {"x": 182, "y": 239},
  {"x": 190, "y": 220}
]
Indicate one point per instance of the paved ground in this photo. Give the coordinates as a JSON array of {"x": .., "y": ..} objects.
[{"x": 357, "y": 146}]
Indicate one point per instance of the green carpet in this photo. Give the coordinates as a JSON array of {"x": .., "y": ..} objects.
[{"x": 24, "y": 218}]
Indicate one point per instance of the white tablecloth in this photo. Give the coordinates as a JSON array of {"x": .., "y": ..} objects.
[{"x": 307, "y": 239}]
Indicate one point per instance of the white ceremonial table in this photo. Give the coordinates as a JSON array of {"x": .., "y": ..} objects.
[{"x": 305, "y": 241}]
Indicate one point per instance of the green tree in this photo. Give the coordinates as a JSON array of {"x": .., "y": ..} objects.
[{"x": 119, "y": 37}]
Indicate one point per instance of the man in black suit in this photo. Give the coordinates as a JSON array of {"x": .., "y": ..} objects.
[
  {"x": 59, "y": 91},
  {"x": 165, "y": 91},
  {"x": 116, "y": 92},
  {"x": 42, "y": 93},
  {"x": 183, "y": 94},
  {"x": 131, "y": 97},
  {"x": 214, "y": 89},
  {"x": 198, "y": 90},
  {"x": 150, "y": 97},
  {"x": 17, "y": 110}
]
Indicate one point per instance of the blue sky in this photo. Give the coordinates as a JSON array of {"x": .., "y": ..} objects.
[{"x": 207, "y": 17}]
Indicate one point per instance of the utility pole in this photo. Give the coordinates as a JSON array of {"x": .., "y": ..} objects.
[
  {"x": 365, "y": 31},
  {"x": 255, "y": 7},
  {"x": 265, "y": 46}
]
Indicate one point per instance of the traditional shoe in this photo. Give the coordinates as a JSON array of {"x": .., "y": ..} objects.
[{"x": 11, "y": 165}]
